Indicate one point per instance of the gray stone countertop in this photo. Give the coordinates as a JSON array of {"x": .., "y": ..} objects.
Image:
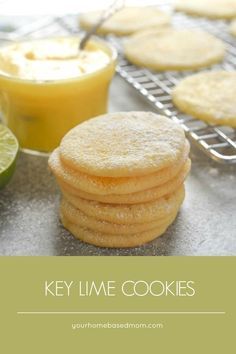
[{"x": 206, "y": 224}]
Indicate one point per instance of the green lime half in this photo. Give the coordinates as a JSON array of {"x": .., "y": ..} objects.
[{"x": 8, "y": 152}]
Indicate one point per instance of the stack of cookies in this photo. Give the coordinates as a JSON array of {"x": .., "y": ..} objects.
[{"x": 121, "y": 176}]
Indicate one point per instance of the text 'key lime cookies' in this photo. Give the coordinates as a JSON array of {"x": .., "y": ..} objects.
[
  {"x": 126, "y": 21},
  {"x": 121, "y": 176},
  {"x": 174, "y": 49}
]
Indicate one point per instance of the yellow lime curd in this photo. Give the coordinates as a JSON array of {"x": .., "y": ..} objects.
[{"x": 48, "y": 86}]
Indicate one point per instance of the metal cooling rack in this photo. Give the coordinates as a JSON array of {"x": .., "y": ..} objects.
[{"x": 218, "y": 142}]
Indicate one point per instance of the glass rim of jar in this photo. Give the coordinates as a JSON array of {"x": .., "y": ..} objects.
[{"x": 112, "y": 59}]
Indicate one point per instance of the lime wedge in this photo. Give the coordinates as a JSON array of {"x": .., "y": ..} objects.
[{"x": 8, "y": 152}]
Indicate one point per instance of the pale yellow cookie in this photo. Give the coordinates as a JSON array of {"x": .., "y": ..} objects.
[
  {"x": 208, "y": 8},
  {"x": 77, "y": 217},
  {"x": 129, "y": 214},
  {"x": 123, "y": 144},
  {"x": 113, "y": 241},
  {"x": 233, "y": 28},
  {"x": 109, "y": 185},
  {"x": 210, "y": 96},
  {"x": 127, "y": 20},
  {"x": 133, "y": 198},
  {"x": 174, "y": 49}
]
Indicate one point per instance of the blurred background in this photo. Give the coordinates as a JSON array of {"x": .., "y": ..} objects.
[
  {"x": 60, "y": 7},
  {"x": 15, "y": 14}
]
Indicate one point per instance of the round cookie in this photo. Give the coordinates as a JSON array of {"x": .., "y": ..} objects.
[
  {"x": 174, "y": 49},
  {"x": 113, "y": 241},
  {"x": 123, "y": 144},
  {"x": 129, "y": 214},
  {"x": 77, "y": 217},
  {"x": 108, "y": 185},
  {"x": 126, "y": 21},
  {"x": 133, "y": 198},
  {"x": 233, "y": 28},
  {"x": 208, "y": 8},
  {"x": 209, "y": 96}
]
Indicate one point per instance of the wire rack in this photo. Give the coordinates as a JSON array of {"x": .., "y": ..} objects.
[{"x": 218, "y": 142}]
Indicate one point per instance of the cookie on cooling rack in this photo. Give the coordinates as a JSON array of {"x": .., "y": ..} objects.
[
  {"x": 216, "y": 9},
  {"x": 209, "y": 96},
  {"x": 172, "y": 49},
  {"x": 127, "y": 21}
]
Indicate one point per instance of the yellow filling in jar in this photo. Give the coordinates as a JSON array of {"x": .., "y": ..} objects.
[
  {"x": 48, "y": 86},
  {"x": 52, "y": 59}
]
